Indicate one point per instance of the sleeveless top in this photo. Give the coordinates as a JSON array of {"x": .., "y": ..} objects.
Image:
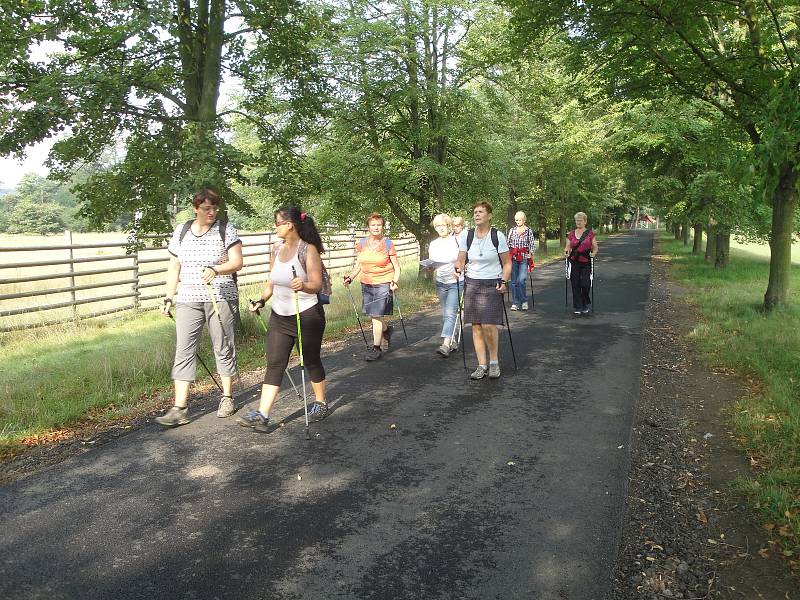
[{"x": 282, "y": 293}]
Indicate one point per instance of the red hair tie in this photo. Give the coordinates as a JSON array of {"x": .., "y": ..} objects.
[{"x": 302, "y": 216}]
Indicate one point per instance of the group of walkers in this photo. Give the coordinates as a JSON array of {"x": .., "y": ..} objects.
[{"x": 472, "y": 269}]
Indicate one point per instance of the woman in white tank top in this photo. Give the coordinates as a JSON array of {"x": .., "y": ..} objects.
[{"x": 299, "y": 249}]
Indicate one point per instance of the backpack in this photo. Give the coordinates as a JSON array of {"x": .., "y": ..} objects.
[
  {"x": 495, "y": 241},
  {"x": 324, "y": 294},
  {"x": 223, "y": 226},
  {"x": 363, "y": 241}
]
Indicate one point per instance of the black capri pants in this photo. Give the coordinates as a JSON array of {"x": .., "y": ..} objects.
[
  {"x": 282, "y": 338},
  {"x": 581, "y": 282}
]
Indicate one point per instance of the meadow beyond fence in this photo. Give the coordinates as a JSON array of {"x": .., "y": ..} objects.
[{"x": 55, "y": 279}]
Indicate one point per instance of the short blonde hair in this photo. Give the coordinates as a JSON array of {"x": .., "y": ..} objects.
[
  {"x": 519, "y": 213},
  {"x": 442, "y": 218},
  {"x": 458, "y": 221},
  {"x": 581, "y": 214}
]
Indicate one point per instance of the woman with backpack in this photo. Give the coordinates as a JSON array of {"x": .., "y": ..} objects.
[
  {"x": 380, "y": 271},
  {"x": 295, "y": 269},
  {"x": 580, "y": 249},
  {"x": 485, "y": 253},
  {"x": 205, "y": 255}
]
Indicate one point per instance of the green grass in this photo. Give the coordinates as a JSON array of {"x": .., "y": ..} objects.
[
  {"x": 105, "y": 369},
  {"x": 764, "y": 348}
]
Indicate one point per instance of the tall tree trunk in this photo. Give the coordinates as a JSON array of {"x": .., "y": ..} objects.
[
  {"x": 698, "y": 238},
  {"x": 542, "y": 223},
  {"x": 685, "y": 233},
  {"x": 513, "y": 207},
  {"x": 784, "y": 205},
  {"x": 723, "y": 247},
  {"x": 562, "y": 228},
  {"x": 711, "y": 243}
]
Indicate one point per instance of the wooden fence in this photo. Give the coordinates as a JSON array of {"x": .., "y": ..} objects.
[{"x": 59, "y": 283}]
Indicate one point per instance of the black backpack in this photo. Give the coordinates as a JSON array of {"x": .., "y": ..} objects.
[
  {"x": 223, "y": 227},
  {"x": 495, "y": 241}
]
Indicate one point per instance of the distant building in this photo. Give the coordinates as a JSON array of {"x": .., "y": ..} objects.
[{"x": 645, "y": 222}]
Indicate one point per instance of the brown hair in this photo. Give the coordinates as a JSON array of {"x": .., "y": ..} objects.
[
  {"x": 203, "y": 195},
  {"x": 485, "y": 205},
  {"x": 376, "y": 217}
]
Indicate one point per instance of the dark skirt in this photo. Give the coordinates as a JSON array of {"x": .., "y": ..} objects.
[
  {"x": 376, "y": 300},
  {"x": 483, "y": 304}
]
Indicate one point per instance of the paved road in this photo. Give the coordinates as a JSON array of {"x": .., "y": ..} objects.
[{"x": 432, "y": 509}]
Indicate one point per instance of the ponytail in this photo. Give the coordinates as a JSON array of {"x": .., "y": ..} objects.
[{"x": 304, "y": 224}]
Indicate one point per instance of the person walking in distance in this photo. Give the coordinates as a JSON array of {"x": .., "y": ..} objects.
[
  {"x": 380, "y": 273},
  {"x": 486, "y": 256},
  {"x": 522, "y": 246},
  {"x": 444, "y": 250},
  {"x": 580, "y": 249},
  {"x": 206, "y": 252},
  {"x": 300, "y": 248}
]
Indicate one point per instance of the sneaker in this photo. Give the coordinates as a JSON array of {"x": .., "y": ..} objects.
[
  {"x": 373, "y": 353},
  {"x": 444, "y": 350},
  {"x": 453, "y": 347},
  {"x": 318, "y": 411},
  {"x": 577, "y": 311},
  {"x": 387, "y": 335},
  {"x": 255, "y": 420},
  {"x": 494, "y": 371},
  {"x": 514, "y": 307},
  {"x": 586, "y": 311},
  {"x": 479, "y": 373},
  {"x": 524, "y": 306},
  {"x": 226, "y": 407},
  {"x": 174, "y": 417}
]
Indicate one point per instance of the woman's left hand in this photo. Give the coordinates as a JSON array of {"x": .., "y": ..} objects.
[
  {"x": 393, "y": 285},
  {"x": 296, "y": 284},
  {"x": 501, "y": 288}
]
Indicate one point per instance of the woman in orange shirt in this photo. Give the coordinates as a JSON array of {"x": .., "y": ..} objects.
[{"x": 380, "y": 272}]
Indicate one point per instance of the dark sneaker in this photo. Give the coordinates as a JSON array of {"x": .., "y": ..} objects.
[
  {"x": 373, "y": 353},
  {"x": 226, "y": 407},
  {"x": 174, "y": 417},
  {"x": 318, "y": 411},
  {"x": 387, "y": 335},
  {"x": 479, "y": 373},
  {"x": 254, "y": 420},
  {"x": 444, "y": 350},
  {"x": 494, "y": 371}
]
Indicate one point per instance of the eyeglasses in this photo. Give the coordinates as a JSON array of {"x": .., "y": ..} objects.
[
  {"x": 208, "y": 209},
  {"x": 279, "y": 223}
]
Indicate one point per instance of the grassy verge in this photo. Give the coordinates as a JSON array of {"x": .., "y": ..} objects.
[
  {"x": 101, "y": 370},
  {"x": 765, "y": 349}
]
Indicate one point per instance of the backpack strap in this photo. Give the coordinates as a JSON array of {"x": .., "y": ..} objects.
[
  {"x": 185, "y": 229},
  {"x": 388, "y": 245}
]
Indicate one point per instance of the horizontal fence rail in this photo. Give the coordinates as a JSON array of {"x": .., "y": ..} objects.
[{"x": 32, "y": 294}]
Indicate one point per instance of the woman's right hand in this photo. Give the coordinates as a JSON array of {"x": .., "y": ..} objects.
[
  {"x": 167, "y": 307},
  {"x": 257, "y": 305},
  {"x": 347, "y": 280}
]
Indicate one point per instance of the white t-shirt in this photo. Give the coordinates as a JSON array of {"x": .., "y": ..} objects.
[
  {"x": 484, "y": 263},
  {"x": 196, "y": 252},
  {"x": 444, "y": 250}
]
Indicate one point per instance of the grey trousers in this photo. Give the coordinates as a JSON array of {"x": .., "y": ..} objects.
[{"x": 189, "y": 320}]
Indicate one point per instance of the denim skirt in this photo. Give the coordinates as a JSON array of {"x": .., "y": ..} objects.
[{"x": 376, "y": 299}]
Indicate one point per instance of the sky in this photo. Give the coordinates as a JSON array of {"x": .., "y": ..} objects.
[{"x": 12, "y": 170}]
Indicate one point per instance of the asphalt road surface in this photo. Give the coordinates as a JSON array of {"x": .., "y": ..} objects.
[{"x": 484, "y": 490}]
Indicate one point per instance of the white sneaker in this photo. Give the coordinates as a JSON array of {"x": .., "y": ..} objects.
[
  {"x": 524, "y": 306},
  {"x": 514, "y": 307}
]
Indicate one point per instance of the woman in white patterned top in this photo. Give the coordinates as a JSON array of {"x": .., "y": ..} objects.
[{"x": 206, "y": 253}]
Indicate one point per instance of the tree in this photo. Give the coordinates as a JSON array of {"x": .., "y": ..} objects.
[
  {"x": 737, "y": 56},
  {"x": 144, "y": 78}
]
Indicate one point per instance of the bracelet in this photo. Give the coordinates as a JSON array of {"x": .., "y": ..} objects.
[
  {"x": 213, "y": 269},
  {"x": 261, "y": 302},
  {"x": 168, "y": 300}
]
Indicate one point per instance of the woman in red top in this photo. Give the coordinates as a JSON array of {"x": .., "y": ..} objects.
[
  {"x": 380, "y": 272},
  {"x": 580, "y": 249}
]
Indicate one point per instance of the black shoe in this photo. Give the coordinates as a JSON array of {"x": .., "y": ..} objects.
[
  {"x": 387, "y": 335},
  {"x": 318, "y": 411},
  {"x": 373, "y": 353}
]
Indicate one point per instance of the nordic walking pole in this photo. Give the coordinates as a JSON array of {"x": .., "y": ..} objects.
[
  {"x": 566, "y": 282},
  {"x": 264, "y": 327},
  {"x": 300, "y": 350},
  {"x": 460, "y": 320},
  {"x": 360, "y": 326},
  {"x": 591, "y": 281},
  {"x": 510, "y": 339},
  {"x": 400, "y": 312},
  {"x": 202, "y": 362}
]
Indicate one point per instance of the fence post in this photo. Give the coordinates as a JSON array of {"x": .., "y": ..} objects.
[
  {"x": 136, "y": 279},
  {"x": 68, "y": 242}
]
